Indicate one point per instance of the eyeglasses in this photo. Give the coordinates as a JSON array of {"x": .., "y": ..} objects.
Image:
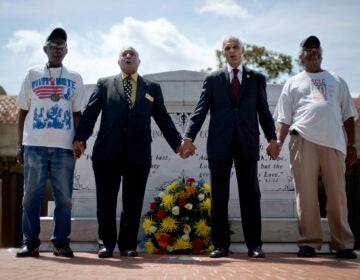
[
  {"x": 58, "y": 46},
  {"x": 311, "y": 49}
]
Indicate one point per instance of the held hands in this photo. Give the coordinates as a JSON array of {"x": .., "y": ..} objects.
[
  {"x": 186, "y": 149},
  {"x": 78, "y": 148},
  {"x": 273, "y": 149}
]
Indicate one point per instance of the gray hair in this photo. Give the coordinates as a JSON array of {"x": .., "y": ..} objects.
[
  {"x": 129, "y": 48},
  {"x": 232, "y": 38}
]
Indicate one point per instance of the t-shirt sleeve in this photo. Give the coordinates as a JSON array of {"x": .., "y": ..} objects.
[
  {"x": 284, "y": 106},
  {"x": 23, "y": 100},
  {"x": 78, "y": 102},
  {"x": 348, "y": 108}
]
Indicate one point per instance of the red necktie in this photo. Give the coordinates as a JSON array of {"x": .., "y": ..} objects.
[{"x": 235, "y": 83}]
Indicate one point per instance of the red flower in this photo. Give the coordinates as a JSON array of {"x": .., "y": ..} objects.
[
  {"x": 182, "y": 202},
  {"x": 152, "y": 205},
  {"x": 160, "y": 214},
  {"x": 190, "y": 180},
  {"x": 197, "y": 244}
]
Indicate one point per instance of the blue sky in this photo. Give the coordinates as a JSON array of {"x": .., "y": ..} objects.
[{"x": 174, "y": 34}]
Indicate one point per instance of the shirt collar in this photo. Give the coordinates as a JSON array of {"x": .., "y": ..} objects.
[
  {"x": 230, "y": 68},
  {"x": 133, "y": 76}
]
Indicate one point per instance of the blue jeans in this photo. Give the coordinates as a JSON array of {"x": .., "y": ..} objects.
[{"x": 58, "y": 164}]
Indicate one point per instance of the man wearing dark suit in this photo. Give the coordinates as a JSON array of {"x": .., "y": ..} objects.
[
  {"x": 236, "y": 108},
  {"x": 122, "y": 149}
]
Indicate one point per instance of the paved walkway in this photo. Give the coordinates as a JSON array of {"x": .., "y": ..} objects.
[{"x": 86, "y": 265}]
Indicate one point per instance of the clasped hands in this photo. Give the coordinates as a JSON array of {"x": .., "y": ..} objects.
[
  {"x": 186, "y": 149},
  {"x": 273, "y": 149},
  {"x": 78, "y": 148}
]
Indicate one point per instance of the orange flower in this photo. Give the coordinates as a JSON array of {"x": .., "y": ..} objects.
[
  {"x": 163, "y": 240},
  {"x": 190, "y": 190}
]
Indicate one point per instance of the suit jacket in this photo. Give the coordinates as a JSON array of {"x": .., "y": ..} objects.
[
  {"x": 228, "y": 115},
  {"x": 124, "y": 130}
]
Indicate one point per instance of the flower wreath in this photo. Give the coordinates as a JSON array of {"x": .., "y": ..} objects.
[{"x": 179, "y": 219}]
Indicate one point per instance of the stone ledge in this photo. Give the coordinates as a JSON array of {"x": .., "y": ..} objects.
[{"x": 274, "y": 231}]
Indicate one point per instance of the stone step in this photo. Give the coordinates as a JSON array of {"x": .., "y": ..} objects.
[{"x": 278, "y": 234}]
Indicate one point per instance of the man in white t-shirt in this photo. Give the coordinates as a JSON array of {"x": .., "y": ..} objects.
[
  {"x": 50, "y": 102},
  {"x": 316, "y": 107}
]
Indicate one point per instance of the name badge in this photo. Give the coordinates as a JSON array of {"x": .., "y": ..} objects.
[{"x": 149, "y": 97}]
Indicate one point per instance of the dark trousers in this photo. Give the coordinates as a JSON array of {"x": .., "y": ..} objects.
[
  {"x": 108, "y": 174},
  {"x": 249, "y": 195}
]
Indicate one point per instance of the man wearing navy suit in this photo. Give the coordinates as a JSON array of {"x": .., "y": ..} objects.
[
  {"x": 237, "y": 104},
  {"x": 122, "y": 149}
]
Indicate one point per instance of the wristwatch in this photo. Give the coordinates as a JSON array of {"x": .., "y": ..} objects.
[{"x": 351, "y": 145}]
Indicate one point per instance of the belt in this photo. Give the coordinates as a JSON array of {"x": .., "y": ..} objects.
[{"x": 294, "y": 132}]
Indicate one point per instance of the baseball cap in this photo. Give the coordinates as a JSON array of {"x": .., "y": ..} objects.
[
  {"x": 57, "y": 33},
  {"x": 311, "y": 41}
]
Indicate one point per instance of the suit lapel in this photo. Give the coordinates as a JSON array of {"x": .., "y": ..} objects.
[
  {"x": 228, "y": 83},
  {"x": 140, "y": 89},
  {"x": 244, "y": 83},
  {"x": 120, "y": 88}
]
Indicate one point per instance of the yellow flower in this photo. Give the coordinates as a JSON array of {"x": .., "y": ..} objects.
[
  {"x": 201, "y": 228},
  {"x": 182, "y": 194},
  {"x": 210, "y": 248},
  {"x": 150, "y": 247},
  {"x": 168, "y": 201},
  {"x": 205, "y": 205},
  {"x": 169, "y": 224},
  {"x": 206, "y": 188},
  {"x": 171, "y": 187},
  {"x": 181, "y": 244},
  {"x": 147, "y": 224}
]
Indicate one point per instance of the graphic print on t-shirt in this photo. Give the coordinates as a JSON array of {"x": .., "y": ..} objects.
[
  {"x": 318, "y": 89},
  {"x": 46, "y": 87},
  {"x": 57, "y": 116}
]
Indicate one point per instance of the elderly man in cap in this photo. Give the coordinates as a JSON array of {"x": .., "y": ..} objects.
[
  {"x": 50, "y": 102},
  {"x": 316, "y": 107}
]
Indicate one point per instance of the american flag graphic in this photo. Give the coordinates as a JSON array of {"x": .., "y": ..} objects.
[{"x": 45, "y": 91}]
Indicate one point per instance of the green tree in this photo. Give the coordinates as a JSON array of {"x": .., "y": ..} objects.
[{"x": 272, "y": 64}]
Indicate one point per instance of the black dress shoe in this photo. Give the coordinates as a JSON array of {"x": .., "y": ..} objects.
[
  {"x": 27, "y": 251},
  {"x": 306, "y": 252},
  {"x": 128, "y": 253},
  {"x": 63, "y": 250},
  {"x": 346, "y": 254},
  {"x": 256, "y": 253},
  {"x": 104, "y": 253},
  {"x": 219, "y": 253}
]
